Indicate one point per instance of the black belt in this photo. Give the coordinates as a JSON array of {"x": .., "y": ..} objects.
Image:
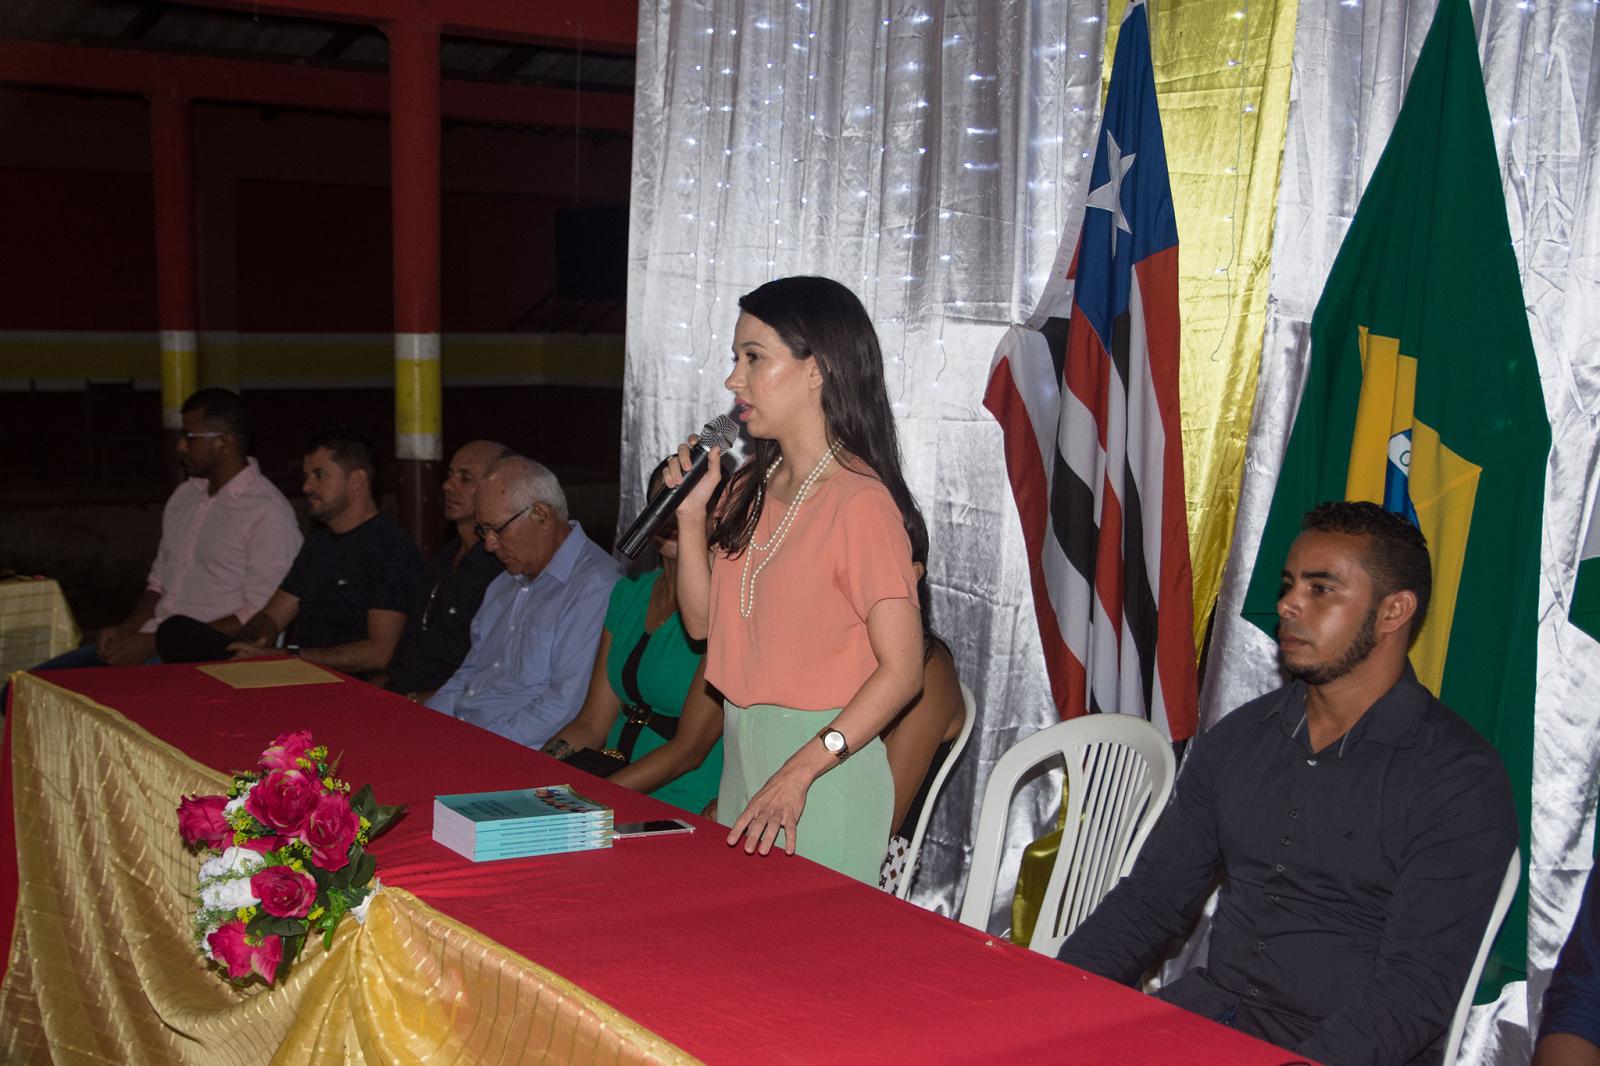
[
  {"x": 639, "y": 713},
  {"x": 666, "y": 725}
]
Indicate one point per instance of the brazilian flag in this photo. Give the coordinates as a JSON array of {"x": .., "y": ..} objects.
[{"x": 1422, "y": 394}]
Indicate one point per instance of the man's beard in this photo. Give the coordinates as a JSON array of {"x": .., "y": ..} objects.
[{"x": 1361, "y": 646}]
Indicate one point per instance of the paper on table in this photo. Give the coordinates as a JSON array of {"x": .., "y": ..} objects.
[{"x": 273, "y": 673}]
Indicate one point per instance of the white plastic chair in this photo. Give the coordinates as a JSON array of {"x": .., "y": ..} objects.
[
  {"x": 1119, "y": 775},
  {"x": 1502, "y": 903},
  {"x": 904, "y": 887}
]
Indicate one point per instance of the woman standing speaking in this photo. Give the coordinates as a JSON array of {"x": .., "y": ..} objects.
[{"x": 802, "y": 584}]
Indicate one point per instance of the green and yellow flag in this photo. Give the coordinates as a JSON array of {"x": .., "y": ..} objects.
[{"x": 1422, "y": 394}]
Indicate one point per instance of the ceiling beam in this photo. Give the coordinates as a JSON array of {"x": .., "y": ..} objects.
[
  {"x": 143, "y": 22},
  {"x": 594, "y": 25},
  {"x": 127, "y": 70},
  {"x": 340, "y": 43}
]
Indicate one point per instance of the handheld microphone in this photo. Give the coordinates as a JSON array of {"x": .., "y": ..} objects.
[{"x": 721, "y": 431}]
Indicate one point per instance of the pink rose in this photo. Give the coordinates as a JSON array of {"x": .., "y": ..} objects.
[
  {"x": 228, "y": 945},
  {"x": 284, "y": 891},
  {"x": 233, "y": 949},
  {"x": 285, "y": 751},
  {"x": 267, "y": 956},
  {"x": 282, "y": 800},
  {"x": 330, "y": 830},
  {"x": 200, "y": 821},
  {"x": 262, "y": 845}
]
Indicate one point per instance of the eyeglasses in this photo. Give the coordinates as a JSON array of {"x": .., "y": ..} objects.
[
  {"x": 484, "y": 532},
  {"x": 191, "y": 437}
]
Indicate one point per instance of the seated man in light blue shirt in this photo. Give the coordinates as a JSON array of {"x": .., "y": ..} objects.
[{"x": 535, "y": 634}]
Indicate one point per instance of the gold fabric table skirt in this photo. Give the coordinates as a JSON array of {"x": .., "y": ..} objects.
[
  {"x": 103, "y": 969},
  {"x": 36, "y": 624}
]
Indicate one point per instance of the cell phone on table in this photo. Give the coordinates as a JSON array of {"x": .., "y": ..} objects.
[{"x": 659, "y": 827}]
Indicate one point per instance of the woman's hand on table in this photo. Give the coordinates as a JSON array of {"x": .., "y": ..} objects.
[
  {"x": 776, "y": 807},
  {"x": 249, "y": 649}
]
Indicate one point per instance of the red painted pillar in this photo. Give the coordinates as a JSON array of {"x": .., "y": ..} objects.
[
  {"x": 414, "y": 135},
  {"x": 172, "y": 165}
]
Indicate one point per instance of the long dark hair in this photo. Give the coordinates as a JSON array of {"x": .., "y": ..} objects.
[{"x": 818, "y": 318}]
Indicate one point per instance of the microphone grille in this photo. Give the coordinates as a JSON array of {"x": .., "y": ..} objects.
[{"x": 721, "y": 431}]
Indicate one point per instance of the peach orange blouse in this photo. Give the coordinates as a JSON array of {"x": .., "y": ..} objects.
[{"x": 805, "y": 643}]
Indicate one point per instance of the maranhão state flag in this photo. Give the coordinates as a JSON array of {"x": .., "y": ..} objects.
[
  {"x": 1088, "y": 406},
  {"x": 1422, "y": 394}
]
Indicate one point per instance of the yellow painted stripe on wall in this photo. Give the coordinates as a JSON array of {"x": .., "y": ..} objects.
[
  {"x": 179, "y": 374},
  {"x": 417, "y": 396},
  {"x": 259, "y": 357}
]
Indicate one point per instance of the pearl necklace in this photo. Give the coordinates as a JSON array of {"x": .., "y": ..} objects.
[{"x": 747, "y": 577}]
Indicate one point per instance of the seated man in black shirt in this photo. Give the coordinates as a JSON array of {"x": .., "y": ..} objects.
[
  {"x": 1362, "y": 828},
  {"x": 1569, "y": 1034},
  {"x": 345, "y": 598},
  {"x": 439, "y": 630}
]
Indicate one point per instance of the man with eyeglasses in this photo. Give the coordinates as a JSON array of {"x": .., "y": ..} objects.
[
  {"x": 535, "y": 635},
  {"x": 344, "y": 601},
  {"x": 438, "y": 632},
  {"x": 227, "y": 538}
]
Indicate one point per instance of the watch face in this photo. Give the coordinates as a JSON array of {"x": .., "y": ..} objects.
[{"x": 833, "y": 740}]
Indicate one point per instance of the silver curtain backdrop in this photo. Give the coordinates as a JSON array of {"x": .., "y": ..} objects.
[
  {"x": 928, "y": 156},
  {"x": 931, "y": 155}
]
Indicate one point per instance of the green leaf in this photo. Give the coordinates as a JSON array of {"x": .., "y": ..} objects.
[
  {"x": 330, "y": 923},
  {"x": 291, "y": 947},
  {"x": 383, "y": 817},
  {"x": 341, "y": 878},
  {"x": 263, "y": 924},
  {"x": 365, "y": 866},
  {"x": 363, "y": 803}
]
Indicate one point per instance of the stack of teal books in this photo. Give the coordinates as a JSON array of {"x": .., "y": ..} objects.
[{"x": 520, "y": 822}]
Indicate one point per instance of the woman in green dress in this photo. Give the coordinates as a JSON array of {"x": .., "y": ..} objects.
[{"x": 648, "y": 718}]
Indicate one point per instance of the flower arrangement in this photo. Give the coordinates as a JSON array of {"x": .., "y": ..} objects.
[{"x": 288, "y": 857}]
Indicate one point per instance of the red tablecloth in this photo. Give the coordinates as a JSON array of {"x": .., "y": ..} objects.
[{"x": 734, "y": 958}]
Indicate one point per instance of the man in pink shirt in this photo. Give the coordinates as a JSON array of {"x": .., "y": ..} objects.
[{"x": 227, "y": 539}]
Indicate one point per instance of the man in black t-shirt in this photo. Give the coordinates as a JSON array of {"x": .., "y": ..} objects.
[
  {"x": 344, "y": 601},
  {"x": 439, "y": 631}
]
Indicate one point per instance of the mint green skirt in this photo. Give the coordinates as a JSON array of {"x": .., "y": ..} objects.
[{"x": 845, "y": 824}]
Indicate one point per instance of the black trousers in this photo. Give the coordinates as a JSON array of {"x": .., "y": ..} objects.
[{"x": 181, "y": 639}]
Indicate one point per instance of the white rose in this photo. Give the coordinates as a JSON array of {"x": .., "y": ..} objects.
[
  {"x": 237, "y": 803},
  {"x": 225, "y": 879}
]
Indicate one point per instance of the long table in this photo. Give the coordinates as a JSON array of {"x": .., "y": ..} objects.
[{"x": 670, "y": 948}]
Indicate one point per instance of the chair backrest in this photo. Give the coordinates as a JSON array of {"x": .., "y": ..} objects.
[
  {"x": 1458, "y": 1023},
  {"x": 960, "y": 745},
  {"x": 1119, "y": 776}
]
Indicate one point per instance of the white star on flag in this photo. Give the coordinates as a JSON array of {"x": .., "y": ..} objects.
[{"x": 1108, "y": 197}]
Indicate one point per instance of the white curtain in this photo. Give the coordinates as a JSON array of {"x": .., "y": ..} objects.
[
  {"x": 928, "y": 156},
  {"x": 1351, "y": 63}
]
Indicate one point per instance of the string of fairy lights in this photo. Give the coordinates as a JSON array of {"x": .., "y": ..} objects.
[
  {"x": 747, "y": 123},
  {"x": 779, "y": 170}
]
